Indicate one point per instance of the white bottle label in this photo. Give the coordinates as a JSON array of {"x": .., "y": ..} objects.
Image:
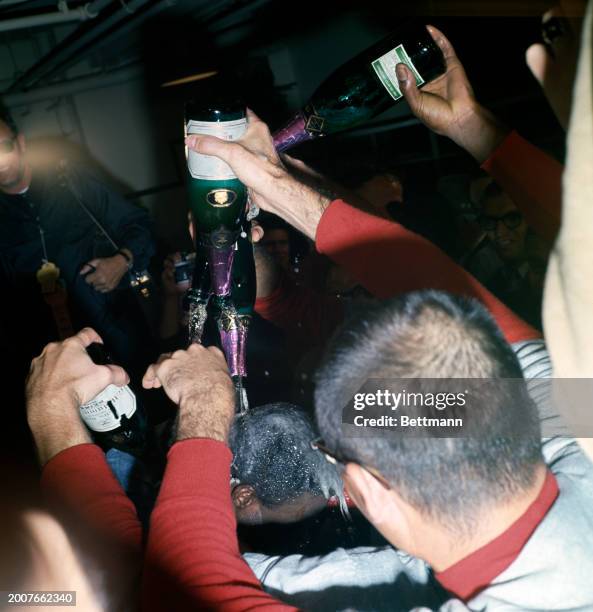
[
  {"x": 208, "y": 167},
  {"x": 385, "y": 69},
  {"x": 104, "y": 411}
]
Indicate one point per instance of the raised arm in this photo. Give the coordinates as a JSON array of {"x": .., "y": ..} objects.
[
  {"x": 381, "y": 255},
  {"x": 76, "y": 478},
  {"x": 449, "y": 107},
  {"x": 193, "y": 560}
]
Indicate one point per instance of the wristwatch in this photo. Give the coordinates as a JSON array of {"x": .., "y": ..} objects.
[{"x": 126, "y": 257}]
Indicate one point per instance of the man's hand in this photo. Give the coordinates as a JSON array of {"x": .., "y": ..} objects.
[
  {"x": 448, "y": 106},
  {"x": 555, "y": 66},
  {"x": 198, "y": 381},
  {"x": 61, "y": 379},
  {"x": 105, "y": 273},
  {"x": 254, "y": 160}
]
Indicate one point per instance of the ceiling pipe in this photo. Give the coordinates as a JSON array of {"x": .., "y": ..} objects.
[
  {"x": 74, "y": 86},
  {"x": 34, "y": 21},
  {"x": 87, "y": 34},
  {"x": 4, "y": 3}
]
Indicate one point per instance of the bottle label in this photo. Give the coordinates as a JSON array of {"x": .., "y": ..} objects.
[
  {"x": 103, "y": 412},
  {"x": 208, "y": 167},
  {"x": 221, "y": 198},
  {"x": 385, "y": 69}
]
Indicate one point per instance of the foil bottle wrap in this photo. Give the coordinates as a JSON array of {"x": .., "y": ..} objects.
[
  {"x": 292, "y": 134},
  {"x": 233, "y": 336},
  {"x": 221, "y": 265},
  {"x": 198, "y": 305}
]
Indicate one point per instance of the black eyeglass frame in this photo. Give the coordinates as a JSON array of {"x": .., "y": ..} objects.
[
  {"x": 340, "y": 462},
  {"x": 489, "y": 224}
]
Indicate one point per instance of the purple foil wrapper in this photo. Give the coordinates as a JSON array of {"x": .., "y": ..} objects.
[
  {"x": 292, "y": 134},
  {"x": 221, "y": 264},
  {"x": 233, "y": 337},
  {"x": 233, "y": 346}
]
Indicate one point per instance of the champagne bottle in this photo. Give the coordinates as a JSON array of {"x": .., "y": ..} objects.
[
  {"x": 218, "y": 201},
  {"x": 114, "y": 416},
  {"x": 365, "y": 86},
  {"x": 217, "y": 198}
]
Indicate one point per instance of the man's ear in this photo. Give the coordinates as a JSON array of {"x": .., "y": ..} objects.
[
  {"x": 243, "y": 496},
  {"x": 378, "y": 504}
]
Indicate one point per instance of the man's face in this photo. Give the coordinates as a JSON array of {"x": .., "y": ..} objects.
[
  {"x": 250, "y": 511},
  {"x": 505, "y": 226},
  {"x": 276, "y": 242},
  {"x": 12, "y": 161}
]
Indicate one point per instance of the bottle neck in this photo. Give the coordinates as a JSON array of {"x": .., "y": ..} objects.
[{"x": 293, "y": 133}]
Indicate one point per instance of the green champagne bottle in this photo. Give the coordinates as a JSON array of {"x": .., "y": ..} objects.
[
  {"x": 217, "y": 198},
  {"x": 218, "y": 201},
  {"x": 365, "y": 86}
]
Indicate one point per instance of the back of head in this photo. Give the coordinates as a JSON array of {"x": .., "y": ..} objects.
[
  {"x": 272, "y": 452},
  {"x": 433, "y": 335}
]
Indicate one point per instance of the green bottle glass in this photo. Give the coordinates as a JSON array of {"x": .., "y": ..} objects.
[
  {"x": 365, "y": 86},
  {"x": 218, "y": 201},
  {"x": 217, "y": 198}
]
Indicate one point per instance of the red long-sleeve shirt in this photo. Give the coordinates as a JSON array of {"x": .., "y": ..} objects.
[
  {"x": 386, "y": 259},
  {"x": 193, "y": 561}
]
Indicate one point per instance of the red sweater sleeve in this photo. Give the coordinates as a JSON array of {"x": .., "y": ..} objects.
[
  {"x": 193, "y": 560},
  {"x": 387, "y": 259},
  {"x": 100, "y": 518},
  {"x": 533, "y": 179},
  {"x": 80, "y": 480}
]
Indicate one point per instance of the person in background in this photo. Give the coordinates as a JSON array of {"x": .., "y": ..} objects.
[
  {"x": 62, "y": 221},
  {"x": 278, "y": 240},
  {"x": 518, "y": 283}
]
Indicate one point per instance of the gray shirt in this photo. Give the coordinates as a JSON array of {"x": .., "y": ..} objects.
[{"x": 554, "y": 571}]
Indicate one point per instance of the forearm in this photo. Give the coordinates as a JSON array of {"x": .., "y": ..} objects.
[
  {"x": 60, "y": 436},
  {"x": 364, "y": 244},
  {"x": 479, "y": 132},
  {"x": 99, "y": 517},
  {"x": 299, "y": 205},
  {"x": 193, "y": 559},
  {"x": 532, "y": 179}
]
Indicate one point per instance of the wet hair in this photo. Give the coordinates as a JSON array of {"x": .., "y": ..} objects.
[
  {"x": 434, "y": 335},
  {"x": 272, "y": 452},
  {"x": 6, "y": 117}
]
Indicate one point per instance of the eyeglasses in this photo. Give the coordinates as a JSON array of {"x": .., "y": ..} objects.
[
  {"x": 7, "y": 145},
  {"x": 340, "y": 462},
  {"x": 511, "y": 220}
]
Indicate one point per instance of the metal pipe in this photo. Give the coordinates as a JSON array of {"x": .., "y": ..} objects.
[
  {"x": 34, "y": 21},
  {"x": 73, "y": 86},
  {"x": 4, "y": 3},
  {"x": 89, "y": 32}
]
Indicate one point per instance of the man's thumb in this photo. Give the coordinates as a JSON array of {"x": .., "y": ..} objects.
[
  {"x": 119, "y": 377},
  {"x": 407, "y": 83}
]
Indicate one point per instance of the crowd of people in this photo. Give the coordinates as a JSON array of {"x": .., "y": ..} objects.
[{"x": 286, "y": 506}]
